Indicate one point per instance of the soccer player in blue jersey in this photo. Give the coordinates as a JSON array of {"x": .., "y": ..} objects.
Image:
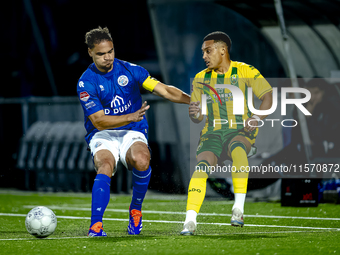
[{"x": 114, "y": 116}]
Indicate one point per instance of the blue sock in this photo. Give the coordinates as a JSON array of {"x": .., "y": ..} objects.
[
  {"x": 140, "y": 182},
  {"x": 100, "y": 197}
]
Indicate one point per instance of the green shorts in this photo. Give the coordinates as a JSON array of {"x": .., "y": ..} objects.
[{"x": 218, "y": 141}]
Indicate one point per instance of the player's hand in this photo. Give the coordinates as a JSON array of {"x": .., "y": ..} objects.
[
  {"x": 250, "y": 127},
  {"x": 138, "y": 115},
  {"x": 194, "y": 109}
]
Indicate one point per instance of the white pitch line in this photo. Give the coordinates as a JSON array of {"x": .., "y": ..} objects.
[
  {"x": 148, "y": 203},
  {"x": 47, "y": 238},
  {"x": 205, "y": 234},
  {"x": 127, "y": 204},
  {"x": 259, "y": 233},
  {"x": 177, "y": 222},
  {"x": 183, "y": 213}
]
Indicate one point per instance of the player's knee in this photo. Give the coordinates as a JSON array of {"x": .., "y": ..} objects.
[
  {"x": 237, "y": 145},
  {"x": 140, "y": 160},
  {"x": 104, "y": 162},
  {"x": 105, "y": 165},
  {"x": 200, "y": 174}
]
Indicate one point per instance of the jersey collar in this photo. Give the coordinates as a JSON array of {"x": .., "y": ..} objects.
[{"x": 228, "y": 73}]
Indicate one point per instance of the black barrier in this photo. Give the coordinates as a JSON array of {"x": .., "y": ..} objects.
[
  {"x": 51, "y": 160},
  {"x": 30, "y": 148},
  {"x": 55, "y": 157}
]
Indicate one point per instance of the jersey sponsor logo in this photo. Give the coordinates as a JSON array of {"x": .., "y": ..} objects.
[
  {"x": 84, "y": 96},
  {"x": 117, "y": 101},
  {"x": 101, "y": 87},
  {"x": 123, "y": 80},
  {"x": 97, "y": 144},
  {"x": 203, "y": 139},
  {"x": 193, "y": 190},
  {"x": 137, "y": 138},
  {"x": 256, "y": 76},
  {"x": 81, "y": 84},
  {"x": 90, "y": 105},
  {"x": 118, "y": 105}
]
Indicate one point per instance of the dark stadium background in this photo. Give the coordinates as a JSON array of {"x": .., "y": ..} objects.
[{"x": 63, "y": 24}]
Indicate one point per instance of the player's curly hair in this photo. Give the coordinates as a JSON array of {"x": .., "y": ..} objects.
[
  {"x": 218, "y": 36},
  {"x": 97, "y": 35}
]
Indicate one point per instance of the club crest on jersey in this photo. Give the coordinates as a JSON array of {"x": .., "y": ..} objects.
[
  {"x": 234, "y": 79},
  {"x": 123, "y": 80}
]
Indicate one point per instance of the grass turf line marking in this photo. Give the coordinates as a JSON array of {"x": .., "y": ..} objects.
[
  {"x": 179, "y": 222},
  {"x": 212, "y": 234},
  {"x": 127, "y": 204},
  {"x": 261, "y": 233},
  {"x": 148, "y": 203},
  {"x": 183, "y": 213},
  {"x": 46, "y": 238}
]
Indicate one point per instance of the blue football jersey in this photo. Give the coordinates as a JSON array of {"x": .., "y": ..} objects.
[{"x": 116, "y": 93}]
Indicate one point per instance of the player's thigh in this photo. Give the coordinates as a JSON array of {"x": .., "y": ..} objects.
[
  {"x": 207, "y": 156},
  {"x": 104, "y": 162},
  {"x": 105, "y": 152},
  {"x": 209, "y": 148},
  {"x": 134, "y": 151},
  {"x": 242, "y": 139}
]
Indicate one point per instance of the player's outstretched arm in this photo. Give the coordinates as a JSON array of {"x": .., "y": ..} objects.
[
  {"x": 171, "y": 93},
  {"x": 102, "y": 121}
]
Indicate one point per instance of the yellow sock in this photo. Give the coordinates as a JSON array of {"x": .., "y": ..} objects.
[
  {"x": 240, "y": 164},
  {"x": 198, "y": 186}
]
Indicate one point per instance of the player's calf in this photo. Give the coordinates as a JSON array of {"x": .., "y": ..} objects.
[{"x": 139, "y": 158}]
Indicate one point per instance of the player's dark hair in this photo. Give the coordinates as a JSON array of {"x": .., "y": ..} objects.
[
  {"x": 97, "y": 35},
  {"x": 219, "y": 36}
]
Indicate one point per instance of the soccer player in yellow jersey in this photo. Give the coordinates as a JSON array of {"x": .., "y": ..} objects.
[{"x": 225, "y": 135}]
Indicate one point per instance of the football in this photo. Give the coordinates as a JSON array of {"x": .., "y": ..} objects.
[{"x": 41, "y": 222}]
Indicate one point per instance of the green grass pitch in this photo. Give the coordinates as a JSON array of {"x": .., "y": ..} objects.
[{"x": 269, "y": 228}]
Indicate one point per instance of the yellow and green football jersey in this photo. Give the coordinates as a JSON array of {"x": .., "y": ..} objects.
[{"x": 221, "y": 108}]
